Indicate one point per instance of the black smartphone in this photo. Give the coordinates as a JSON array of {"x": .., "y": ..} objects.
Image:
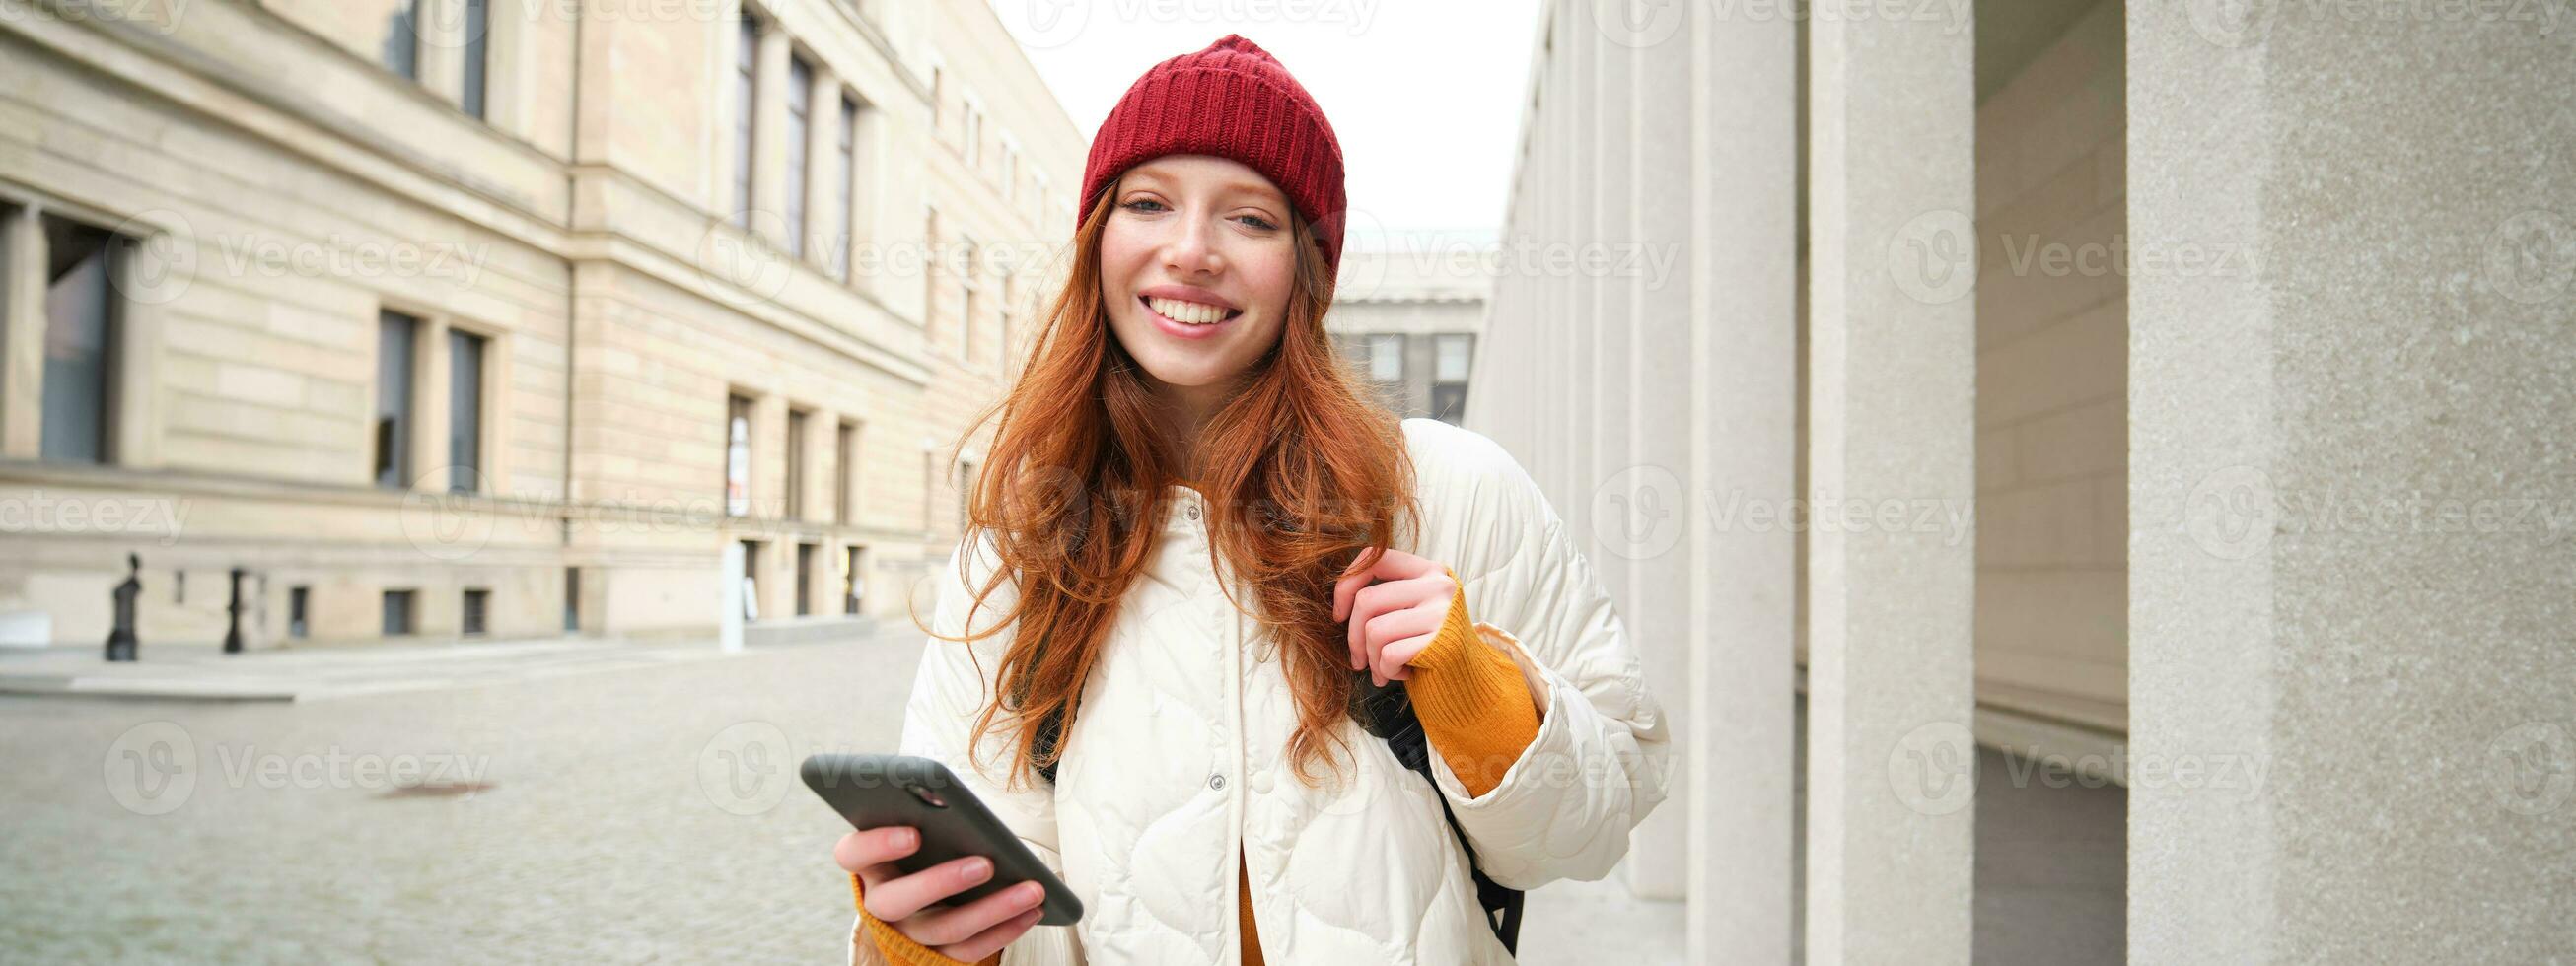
[{"x": 878, "y": 790}]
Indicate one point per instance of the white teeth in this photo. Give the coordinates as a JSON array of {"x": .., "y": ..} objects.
[{"x": 1187, "y": 313}]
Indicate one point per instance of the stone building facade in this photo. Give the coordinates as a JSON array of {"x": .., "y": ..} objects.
[
  {"x": 2098, "y": 489},
  {"x": 458, "y": 318}
]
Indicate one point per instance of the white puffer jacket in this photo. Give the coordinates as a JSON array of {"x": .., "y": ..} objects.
[{"x": 1177, "y": 757}]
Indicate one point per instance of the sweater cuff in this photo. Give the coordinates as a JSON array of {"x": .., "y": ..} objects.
[
  {"x": 899, "y": 948},
  {"x": 1474, "y": 703}
]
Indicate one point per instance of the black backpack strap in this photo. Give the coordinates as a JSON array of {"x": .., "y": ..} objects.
[{"x": 1390, "y": 716}]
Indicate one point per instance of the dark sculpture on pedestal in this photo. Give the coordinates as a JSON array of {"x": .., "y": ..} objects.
[{"x": 121, "y": 644}]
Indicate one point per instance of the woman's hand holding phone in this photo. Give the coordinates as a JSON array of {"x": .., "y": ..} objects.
[{"x": 914, "y": 904}]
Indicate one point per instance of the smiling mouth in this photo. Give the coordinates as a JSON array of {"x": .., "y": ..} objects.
[{"x": 1188, "y": 313}]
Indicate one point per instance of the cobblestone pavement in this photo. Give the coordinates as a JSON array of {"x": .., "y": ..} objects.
[{"x": 642, "y": 815}]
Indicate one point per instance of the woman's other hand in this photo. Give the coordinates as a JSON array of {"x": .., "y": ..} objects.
[
  {"x": 912, "y": 903},
  {"x": 1393, "y": 620}
]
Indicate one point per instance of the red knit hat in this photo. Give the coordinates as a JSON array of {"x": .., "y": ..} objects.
[{"x": 1233, "y": 100}]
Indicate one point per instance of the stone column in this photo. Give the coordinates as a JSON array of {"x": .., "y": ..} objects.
[
  {"x": 22, "y": 340},
  {"x": 1890, "y": 828},
  {"x": 142, "y": 271},
  {"x": 822, "y": 149},
  {"x": 440, "y": 25},
  {"x": 431, "y": 469},
  {"x": 2352, "y": 284},
  {"x": 1629, "y": 477},
  {"x": 1735, "y": 391}
]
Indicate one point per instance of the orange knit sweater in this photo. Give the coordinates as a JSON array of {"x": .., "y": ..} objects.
[{"x": 1477, "y": 712}]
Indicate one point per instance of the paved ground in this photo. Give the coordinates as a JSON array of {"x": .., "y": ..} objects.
[{"x": 626, "y": 814}]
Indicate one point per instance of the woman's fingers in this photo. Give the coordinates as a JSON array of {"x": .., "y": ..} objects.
[
  {"x": 863, "y": 849},
  {"x": 992, "y": 940},
  {"x": 1405, "y": 633},
  {"x": 938, "y": 927},
  {"x": 898, "y": 898}
]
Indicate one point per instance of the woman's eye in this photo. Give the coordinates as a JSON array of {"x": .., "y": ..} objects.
[
  {"x": 1259, "y": 222},
  {"x": 1137, "y": 205}
]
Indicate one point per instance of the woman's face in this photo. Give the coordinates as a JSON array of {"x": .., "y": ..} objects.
[{"x": 1195, "y": 268}]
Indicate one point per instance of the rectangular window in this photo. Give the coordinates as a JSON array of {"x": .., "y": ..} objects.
[
  {"x": 804, "y": 579},
  {"x": 1386, "y": 358},
  {"x": 1450, "y": 357},
  {"x": 796, "y": 420},
  {"x": 965, "y": 483},
  {"x": 80, "y": 342},
  {"x": 845, "y": 205},
  {"x": 745, "y": 104},
  {"x": 402, "y": 40},
  {"x": 572, "y": 600},
  {"x": 396, "y": 343},
  {"x": 800, "y": 131},
  {"x": 299, "y": 607},
  {"x": 400, "y": 618},
  {"x": 845, "y": 466},
  {"x": 478, "y": 47},
  {"x": 737, "y": 456},
  {"x": 475, "y": 614},
  {"x": 464, "y": 411},
  {"x": 974, "y": 135},
  {"x": 851, "y": 583},
  {"x": 1451, "y": 354}
]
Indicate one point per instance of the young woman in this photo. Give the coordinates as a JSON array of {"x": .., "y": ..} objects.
[{"x": 1194, "y": 539}]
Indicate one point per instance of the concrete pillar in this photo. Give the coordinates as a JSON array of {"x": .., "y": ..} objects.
[
  {"x": 22, "y": 341},
  {"x": 822, "y": 149},
  {"x": 1737, "y": 385},
  {"x": 1630, "y": 484},
  {"x": 769, "y": 145},
  {"x": 2351, "y": 287},
  {"x": 140, "y": 267},
  {"x": 1568, "y": 329},
  {"x": 1890, "y": 784},
  {"x": 430, "y": 466},
  {"x": 440, "y": 24}
]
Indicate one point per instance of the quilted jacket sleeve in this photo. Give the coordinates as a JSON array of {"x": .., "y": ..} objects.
[
  {"x": 947, "y": 693},
  {"x": 1602, "y": 758}
]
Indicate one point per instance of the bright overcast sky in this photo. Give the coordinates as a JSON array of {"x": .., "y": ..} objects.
[{"x": 1424, "y": 94}]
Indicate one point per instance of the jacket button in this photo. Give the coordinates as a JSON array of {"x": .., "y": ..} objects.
[
  {"x": 1216, "y": 782},
  {"x": 1193, "y": 511}
]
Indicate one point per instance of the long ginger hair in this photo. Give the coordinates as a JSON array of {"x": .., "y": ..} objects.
[{"x": 1302, "y": 476}]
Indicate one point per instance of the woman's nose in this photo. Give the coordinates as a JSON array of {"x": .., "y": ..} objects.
[{"x": 1193, "y": 247}]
